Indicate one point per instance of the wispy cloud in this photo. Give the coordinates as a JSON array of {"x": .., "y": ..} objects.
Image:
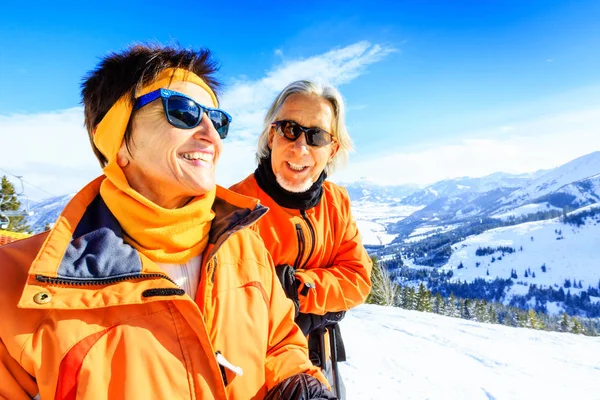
[
  {"x": 52, "y": 151},
  {"x": 248, "y": 100},
  {"x": 542, "y": 143}
]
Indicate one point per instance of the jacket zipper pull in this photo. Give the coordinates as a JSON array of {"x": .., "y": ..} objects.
[{"x": 226, "y": 364}]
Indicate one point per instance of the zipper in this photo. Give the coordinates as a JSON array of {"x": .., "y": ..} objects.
[
  {"x": 98, "y": 282},
  {"x": 212, "y": 268},
  {"x": 312, "y": 235},
  {"x": 301, "y": 246}
]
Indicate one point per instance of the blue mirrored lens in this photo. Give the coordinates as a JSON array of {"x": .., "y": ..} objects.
[
  {"x": 220, "y": 122},
  {"x": 183, "y": 113}
]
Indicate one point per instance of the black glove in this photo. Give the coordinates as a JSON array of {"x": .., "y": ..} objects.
[
  {"x": 300, "y": 387},
  {"x": 287, "y": 276},
  {"x": 311, "y": 322}
]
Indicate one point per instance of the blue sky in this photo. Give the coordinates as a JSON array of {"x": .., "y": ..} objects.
[{"x": 434, "y": 89}]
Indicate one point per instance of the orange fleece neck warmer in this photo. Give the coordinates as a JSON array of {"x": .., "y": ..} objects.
[{"x": 163, "y": 235}]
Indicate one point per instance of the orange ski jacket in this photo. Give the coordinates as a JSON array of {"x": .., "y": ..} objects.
[
  {"x": 84, "y": 315},
  {"x": 322, "y": 243}
]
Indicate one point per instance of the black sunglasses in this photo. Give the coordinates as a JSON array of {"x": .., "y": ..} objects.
[
  {"x": 184, "y": 112},
  {"x": 292, "y": 130}
]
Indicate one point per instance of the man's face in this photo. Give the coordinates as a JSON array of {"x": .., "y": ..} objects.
[
  {"x": 168, "y": 165},
  {"x": 297, "y": 165}
]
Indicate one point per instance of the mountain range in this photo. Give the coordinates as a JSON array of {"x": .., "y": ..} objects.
[{"x": 444, "y": 224}]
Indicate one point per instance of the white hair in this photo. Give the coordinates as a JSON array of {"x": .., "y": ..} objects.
[{"x": 325, "y": 91}]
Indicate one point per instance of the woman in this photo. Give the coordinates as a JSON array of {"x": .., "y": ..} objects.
[
  {"x": 309, "y": 229},
  {"x": 151, "y": 284}
]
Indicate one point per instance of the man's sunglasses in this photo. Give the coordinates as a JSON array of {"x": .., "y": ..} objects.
[
  {"x": 185, "y": 113},
  {"x": 292, "y": 130}
]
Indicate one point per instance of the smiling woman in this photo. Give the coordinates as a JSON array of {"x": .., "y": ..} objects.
[
  {"x": 131, "y": 293},
  {"x": 165, "y": 163}
]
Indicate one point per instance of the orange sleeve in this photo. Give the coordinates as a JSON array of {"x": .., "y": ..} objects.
[
  {"x": 344, "y": 284},
  {"x": 287, "y": 352},
  {"x": 16, "y": 383}
]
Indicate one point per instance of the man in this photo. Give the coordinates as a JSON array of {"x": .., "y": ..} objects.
[
  {"x": 151, "y": 284},
  {"x": 309, "y": 230}
]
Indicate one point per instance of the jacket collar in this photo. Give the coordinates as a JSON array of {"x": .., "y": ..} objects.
[{"x": 86, "y": 249}]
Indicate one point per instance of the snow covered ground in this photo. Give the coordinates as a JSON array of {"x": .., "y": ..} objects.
[
  {"x": 525, "y": 210},
  {"x": 565, "y": 251},
  {"x": 399, "y": 354},
  {"x": 425, "y": 232},
  {"x": 373, "y": 217}
]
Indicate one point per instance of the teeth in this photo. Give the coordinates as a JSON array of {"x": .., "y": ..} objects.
[
  {"x": 198, "y": 156},
  {"x": 295, "y": 167}
]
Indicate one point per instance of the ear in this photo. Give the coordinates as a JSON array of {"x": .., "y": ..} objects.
[
  {"x": 123, "y": 156},
  {"x": 335, "y": 147},
  {"x": 271, "y": 135}
]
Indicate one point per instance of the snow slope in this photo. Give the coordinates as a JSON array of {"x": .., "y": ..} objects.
[
  {"x": 372, "y": 219},
  {"x": 398, "y": 354},
  {"x": 567, "y": 251},
  {"x": 573, "y": 171}
]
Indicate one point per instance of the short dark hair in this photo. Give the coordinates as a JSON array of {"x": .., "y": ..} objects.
[{"x": 126, "y": 72}]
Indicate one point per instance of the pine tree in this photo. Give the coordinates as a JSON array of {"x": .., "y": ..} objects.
[
  {"x": 438, "y": 304},
  {"x": 466, "y": 310},
  {"x": 9, "y": 202},
  {"x": 522, "y": 319},
  {"x": 533, "y": 321},
  {"x": 481, "y": 311},
  {"x": 383, "y": 289},
  {"x": 577, "y": 326},
  {"x": 451, "y": 307},
  {"x": 565, "y": 324},
  {"x": 423, "y": 299},
  {"x": 493, "y": 316},
  {"x": 408, "y": 298}
]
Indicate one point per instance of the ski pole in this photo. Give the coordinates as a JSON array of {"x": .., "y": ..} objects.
[{"x": 334, "y": 366}]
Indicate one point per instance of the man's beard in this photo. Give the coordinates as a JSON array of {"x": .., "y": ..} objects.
[{"x": 294, "y": 187}]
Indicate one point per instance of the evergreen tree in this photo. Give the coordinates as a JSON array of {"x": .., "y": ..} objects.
[
  {"x": 481, "y": 311},
  {"x": 533, "y": 321},
  {"x": 522, "y": 319},
  {"x": 493, "y": 316},
  {"x": 423, "y": 299},
  {"x": 9, "y": 202},
  {"x": 409, "y": 301},
  {"x": 577, "y": 327},
  {"x": 383, "y": 290},
  {"x": 451, "y": 309},
  {"x": 438, "y": 304},
  {"x": 565, "y": 324},
  {"x": 466, "y": 310}
]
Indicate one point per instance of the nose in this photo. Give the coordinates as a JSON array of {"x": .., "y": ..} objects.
[
  {"x": 206, "y": 130},
  {"x": 299, "y": 145}
]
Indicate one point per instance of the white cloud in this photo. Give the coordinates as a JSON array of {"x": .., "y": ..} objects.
[
  {"x": 52, "y": 151},
  {"x": 248, "y": 100},
  {"x": 543, "y": 143}
]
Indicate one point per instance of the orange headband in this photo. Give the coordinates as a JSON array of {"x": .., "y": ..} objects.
[{"x": 110, "y": 131}]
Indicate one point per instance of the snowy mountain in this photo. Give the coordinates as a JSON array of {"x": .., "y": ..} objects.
[
  {"x": 368, "y": 191},
  {"x": 542, "y": 253},
  {"x": 398, "y": 354},
  {"x": 459, "y": 186},
  {"x": 577, "y": 182},
  {"x": 47, "y": 211}
]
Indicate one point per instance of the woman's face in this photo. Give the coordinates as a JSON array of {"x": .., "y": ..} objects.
[
  {"x": 168, "y": 165},
  {"x": 296, "y": 164}
]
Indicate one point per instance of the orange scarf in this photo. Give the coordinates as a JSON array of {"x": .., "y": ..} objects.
[{"x": 163, "y": 235}]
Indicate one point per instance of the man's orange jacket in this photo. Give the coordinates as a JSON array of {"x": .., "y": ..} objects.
[
  {"x": 322, "y": 243},
  {"x": 85, "y": 316}
]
